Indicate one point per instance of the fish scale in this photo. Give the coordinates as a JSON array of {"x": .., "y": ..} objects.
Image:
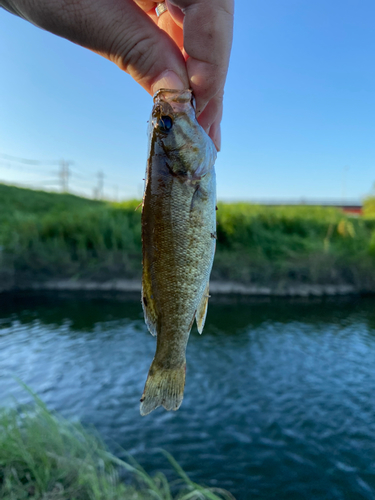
[{"x": 178, "y": 238}]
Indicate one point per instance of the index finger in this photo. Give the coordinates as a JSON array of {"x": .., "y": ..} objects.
[{"x": 208, "y": 32}]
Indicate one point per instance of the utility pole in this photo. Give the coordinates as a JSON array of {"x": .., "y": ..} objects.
[
  {"x": 64, "y": 173},
  {"x": 99, "y": 190}
]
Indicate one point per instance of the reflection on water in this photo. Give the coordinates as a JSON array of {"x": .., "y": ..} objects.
[{"x": 279, "y": 400}]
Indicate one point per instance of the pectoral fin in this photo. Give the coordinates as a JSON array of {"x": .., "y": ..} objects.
[
  {"x": 202, "y": 310},
  {"x": 148, "y": 304}
]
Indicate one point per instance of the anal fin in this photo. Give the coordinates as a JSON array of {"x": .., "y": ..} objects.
[{"x": 200, "y": 317}]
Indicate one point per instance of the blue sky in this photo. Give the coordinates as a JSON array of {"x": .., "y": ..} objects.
[{"x": 299, "y": 116}]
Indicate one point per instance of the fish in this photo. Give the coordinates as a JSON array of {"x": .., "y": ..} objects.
[{"x": 178, "y": 240}]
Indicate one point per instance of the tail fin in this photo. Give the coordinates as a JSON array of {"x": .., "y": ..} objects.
[{"x": 164, "y": 386}]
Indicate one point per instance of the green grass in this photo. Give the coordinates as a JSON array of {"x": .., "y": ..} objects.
[
  {"x": 293, "y": 244},
  {"x": 15, "y": 199},
  {"x": 47, "y": 235},
  {"x": 369, "y": 207},
  {"x": 50, "y": 235},
  {"x": 45, "y": 457}
]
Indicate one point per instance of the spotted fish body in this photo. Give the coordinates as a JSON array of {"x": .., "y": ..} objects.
[{"x": 179, "y": 237}]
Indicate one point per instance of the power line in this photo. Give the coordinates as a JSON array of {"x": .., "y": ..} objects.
[
  {"x": 30, "y": 169},
  {"x": 28, "y": 161},
  {"x": 78, "y": 172},
  {"x": 84, "y": 172},
  {"x": 65, "y": 175}
]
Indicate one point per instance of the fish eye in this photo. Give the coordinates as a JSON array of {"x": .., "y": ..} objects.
[{"x": 165, "y": 123}]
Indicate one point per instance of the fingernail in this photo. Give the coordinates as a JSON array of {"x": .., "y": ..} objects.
[{"x": 168, "y": 80}]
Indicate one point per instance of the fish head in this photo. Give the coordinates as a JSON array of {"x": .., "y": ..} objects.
[{"x": 174, "y": 127}]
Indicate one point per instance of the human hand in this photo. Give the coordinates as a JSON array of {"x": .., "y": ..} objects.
[
  {"x": 202, "y": 29},
  {"x": 188, "y": 46}
]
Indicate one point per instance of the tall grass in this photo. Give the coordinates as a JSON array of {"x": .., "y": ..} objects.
[
  {"x": 48, "y": 235},
  {"x": 95, "y": 242},
  {"x": 369, "y": 213},
  {"x": 45, "y": 457},
  {"x": 293, "y": 244},
  {"x": 369, "y": 207}
]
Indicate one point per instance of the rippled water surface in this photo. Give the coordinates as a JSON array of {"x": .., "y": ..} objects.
[{"x": 279, "y": 399}]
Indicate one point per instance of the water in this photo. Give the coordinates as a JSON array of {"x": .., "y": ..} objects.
[{"x": 279, "y": 399}]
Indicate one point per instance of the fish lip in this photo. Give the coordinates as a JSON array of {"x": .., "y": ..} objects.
[{"x": 174, "y": 95}]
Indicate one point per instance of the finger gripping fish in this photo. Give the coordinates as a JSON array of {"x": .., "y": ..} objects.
[{"x": 178, "y": 238}]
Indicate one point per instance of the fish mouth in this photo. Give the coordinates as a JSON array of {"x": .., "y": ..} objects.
[{"x": 175, "y": 96}]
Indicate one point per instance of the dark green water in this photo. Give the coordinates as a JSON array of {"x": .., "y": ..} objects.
[{"x": 279, "y": 400}]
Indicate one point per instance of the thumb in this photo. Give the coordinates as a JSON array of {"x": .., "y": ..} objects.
[
  {"x": 147, "y": 52},
  {"x": 116, "y": 29}
]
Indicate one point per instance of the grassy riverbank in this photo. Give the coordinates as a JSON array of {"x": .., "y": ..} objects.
[
  {"x": 48, "y": 235},
  {"x": 45, "y": 457}
]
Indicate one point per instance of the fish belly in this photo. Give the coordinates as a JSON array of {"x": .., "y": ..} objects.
[{"x": 179, "y": 236}]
